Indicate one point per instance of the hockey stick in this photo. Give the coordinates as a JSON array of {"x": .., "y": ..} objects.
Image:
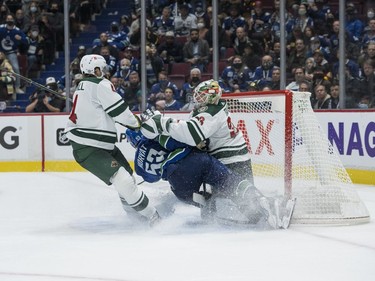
[{"x": 28, "y": 80}]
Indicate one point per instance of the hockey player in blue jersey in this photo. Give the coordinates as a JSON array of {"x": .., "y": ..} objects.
[{"x": 186, "y": 168}]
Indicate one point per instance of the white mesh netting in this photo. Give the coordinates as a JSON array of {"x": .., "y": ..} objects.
[{"x": 291, "y": 154}]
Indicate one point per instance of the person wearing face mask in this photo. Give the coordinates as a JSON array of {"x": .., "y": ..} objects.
[
  {"x": 12, "y": 38},
  {"x": 236, "y": 77},
  {"x": 158, "y": 88},
  {"x": 112, "y": 63},
  {"x": 303, "y": 20},
  {"x": 56, "y": 23},
  {"x": 44, "y": 101},
  {"x": 263, "y": 73},
  {"x": 35, "y": 52},
  {"x": 124, "y": 70}
]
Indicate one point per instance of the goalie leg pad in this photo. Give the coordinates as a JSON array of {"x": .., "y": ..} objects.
[{"x": 127, "y": 188}]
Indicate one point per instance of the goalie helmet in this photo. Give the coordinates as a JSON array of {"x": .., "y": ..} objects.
[
  {"x": 207, "y": 92},
  {"x": 90, "y": 62}
]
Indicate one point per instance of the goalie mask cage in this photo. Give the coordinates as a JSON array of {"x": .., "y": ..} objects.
[{"x": 291, "y": 154}]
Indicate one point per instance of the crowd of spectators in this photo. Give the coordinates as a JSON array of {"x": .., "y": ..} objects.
[
  {"x": 180, "y": 33},
  {"x": 249, "y": 44}
]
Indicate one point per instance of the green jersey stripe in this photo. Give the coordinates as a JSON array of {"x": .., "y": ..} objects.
[
  {"x": 95, "y": 135},
  {"x": 116, "y": 108},
  {"x": 229, "y": 153}
]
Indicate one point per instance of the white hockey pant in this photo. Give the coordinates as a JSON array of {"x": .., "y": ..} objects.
[{"x": 127, "y": 188}]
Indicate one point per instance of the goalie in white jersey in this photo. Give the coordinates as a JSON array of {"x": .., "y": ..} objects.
[
  {"x": 92, "y": 134},
  {"x": 210, "y": 124}
]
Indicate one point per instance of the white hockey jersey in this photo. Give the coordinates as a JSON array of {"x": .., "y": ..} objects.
[
  {"x": 212, "y": 122},
  {"x": 96, "y": 108}
]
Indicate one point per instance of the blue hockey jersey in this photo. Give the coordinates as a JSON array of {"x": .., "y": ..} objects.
[{"x": 153, "y": 157}]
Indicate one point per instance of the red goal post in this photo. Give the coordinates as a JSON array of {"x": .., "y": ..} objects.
[{"x": 291, "y": 155}]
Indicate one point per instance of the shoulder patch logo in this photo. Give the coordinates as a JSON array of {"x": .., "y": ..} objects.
[
  {"x": 202, "y": 109},
  {"x": 114, "y": 164}
]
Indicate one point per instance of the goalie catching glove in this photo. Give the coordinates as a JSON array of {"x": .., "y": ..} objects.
[{"x": 154, "y": 124}]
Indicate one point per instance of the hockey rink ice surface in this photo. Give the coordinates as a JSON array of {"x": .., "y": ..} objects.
[{"x": 70, "y": 226}]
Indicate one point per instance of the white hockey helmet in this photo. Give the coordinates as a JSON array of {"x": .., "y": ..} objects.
[
  {"x": 90, "y": 62},
  {"x": 207, "y": 92}
]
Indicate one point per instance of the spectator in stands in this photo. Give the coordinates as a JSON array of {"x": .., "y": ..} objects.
[
  {"x": 236, "y": 77},
  {"x": 316, "y": 45},
  {"x": 170, "y": 50},
  {"x": 44, "y": 101},
  {"x": 296, "y": 57},
  {"x": 13, "y": 38},
  {"x": 202, "y": 28},
  {"x": 350, "y": 65},
  {"x": 240, "y": 41},
  {"x": 7, "y": 79},
  {"x": 170, "y": 102},
  {"x": 263, "y": 73},
  {"x": 323, "y": 99},
  {"x": 134, "y": 62},
  {"x": 124, "y": 70},
  {"x": 275, "y": 20},
  {"x": 335, "y": 95},
  {"x": 135, "y": 25},
  {"x": 299, "y": 76},
  {"x": 164, "y": 23},
  {"x": 369, "y": 35},
  {"x": 275, "y": 83},
  {"x": 353, "y": 25},
  {"x": 233, "y": 21},
  {"x": 185, "y": 21},
  {"x": 35, "y": 52},
  {"x": 154, "y": 65},
  {"x": 257, "y": 21},
  {"x": 351, "y": 45},
  {"x": 131, "y": 91},
  {"x": 103, "y": 41},
  {"x": 196, "y": 51},
  {"x": 368, "y": 82},
  {"x": 20, "y": 21},
  {"x": 250, "y": 58},
  {"x": 111, "y": 61},
  {"x": 159, "y": 87},
  {"x": 135, "y": 37},
  {"x": 32, "y": 14},
  {"x": 321, "y": 62},
  {"x": 303, "y": 19},
  {"x": 49, "y": 39},
  {"x": 124, "y": 24},
  {"x": 223, "y": 39},
  {"x": 14, "y": 5},
  {"x": 309, "y": 69},
  {"x": 4, "y": 11},
  {"x": 56, "y": 23},
  {"x": 304, "y": 87},
  {"x": 368, "y": 54},
  {"x": 186, "y": 95},
  {"x": 116, "y": 37}
]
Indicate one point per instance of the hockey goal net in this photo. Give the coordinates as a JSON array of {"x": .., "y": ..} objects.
[{"x": 292, "y": 155}]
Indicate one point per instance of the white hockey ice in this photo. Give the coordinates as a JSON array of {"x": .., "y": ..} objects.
[{"x": 71, "y": 227}]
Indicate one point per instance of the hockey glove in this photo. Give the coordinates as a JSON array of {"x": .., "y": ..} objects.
[
  {"x": 134, "y": 137},
  {"x": 138, "y": 126},
  {"x": 155, "y": 125}
]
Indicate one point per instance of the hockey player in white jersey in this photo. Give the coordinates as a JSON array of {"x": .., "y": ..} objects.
[
  {"x": 92, "y": 134},
  {"x": 210, "y": 124}
]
